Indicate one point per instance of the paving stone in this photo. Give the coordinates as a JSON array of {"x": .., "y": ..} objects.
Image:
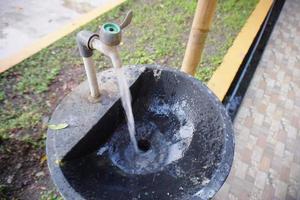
[
  {"x": 279, "y": 149},
  {"x": 292, "y": 190},
  {"x": 268, "y": 192},
  {"x": 232, "y": 197},
  {"x": 251, "y": 141},
  {"x": 267, "y": 159},
  {"x": 224, "y": 190},
  {"x": 280, "y": 189},
  {"x": 261, "y": 141},
  {"x": 255, "y": 194},
  {"x": 257, "y": 154},
  {"x": 285, "y": 174},
  {"x": 295, "y": 171},
  {"x": 260, "y": 179},
  {"x": 288, "y": 197},
  {"x": 241, "y": 169},
  {"x": 265, "y": 164}
]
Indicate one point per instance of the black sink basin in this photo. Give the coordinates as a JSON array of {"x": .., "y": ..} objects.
[{"x": 185, "y": 138}]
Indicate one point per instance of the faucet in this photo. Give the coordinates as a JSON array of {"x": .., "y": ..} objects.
[{"x": 107, "y": 42}]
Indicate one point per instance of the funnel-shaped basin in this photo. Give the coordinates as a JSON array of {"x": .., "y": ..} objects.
[{"x": 184, "y": 135}]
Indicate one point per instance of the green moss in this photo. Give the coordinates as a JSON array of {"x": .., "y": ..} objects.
[
  {"x": 18, "y": 120},
  {"x": 2, "y": 96},
  {"x": 3, "y": 192},
  {"x": 50, "y": 195}
]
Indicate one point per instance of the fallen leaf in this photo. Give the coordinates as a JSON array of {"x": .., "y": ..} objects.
[
  {"x": 41, "y": 173},
  {"x": 18, "y": 166},
  {"x": 43, "y": 159},
  {"x": 59, "y": 162},
  {"x": 10, "y": 179},
  {"x": 43, "y": 188},
  {"x": 58, "y": 126}
]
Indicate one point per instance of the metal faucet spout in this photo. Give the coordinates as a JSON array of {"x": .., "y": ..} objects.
[
  {"x": 110, "y": 51},
  {"x": 106, "y": 42}
]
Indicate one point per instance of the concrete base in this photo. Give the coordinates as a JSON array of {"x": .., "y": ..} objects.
[{"x": 190, "y": 138}]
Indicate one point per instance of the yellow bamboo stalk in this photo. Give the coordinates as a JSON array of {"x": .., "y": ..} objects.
[{"x": 201, "y": 26}]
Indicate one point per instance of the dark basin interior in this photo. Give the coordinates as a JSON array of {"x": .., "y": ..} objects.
[{"x": 185, "y": 140}]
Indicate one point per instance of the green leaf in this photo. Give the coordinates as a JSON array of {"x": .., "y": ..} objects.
[{"x": 58, "y": 126}]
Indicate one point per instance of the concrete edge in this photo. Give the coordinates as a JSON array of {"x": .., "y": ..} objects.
[
  {"x": 45, "y": 41},
  {"x": 222, "y": 78}
]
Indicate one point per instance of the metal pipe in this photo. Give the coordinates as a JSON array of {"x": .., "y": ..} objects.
[
  {"x": 84, "y": 39},
  {"x": 106, "y": 42},
  {"x": 87, "y": 42},
  {"x": 201, "y": 25},
  {"x": 90, "y": 70},
  {"x": 109, "y": 51}
]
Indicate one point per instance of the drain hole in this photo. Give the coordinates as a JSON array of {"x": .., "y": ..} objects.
[
  {"x": 144, "y": 145},
  {"x": 111, "y": 29}
]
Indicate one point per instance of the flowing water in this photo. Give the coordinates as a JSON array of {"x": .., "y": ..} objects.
[
  {"x": 162, "y": 130},
  {"x": 123, "y": 87},
  {"x": 125, "y": 98}
]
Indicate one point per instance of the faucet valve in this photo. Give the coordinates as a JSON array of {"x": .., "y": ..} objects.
[
  {"x": 106, "y": 42},
  {"x": 111, "y": 33}
]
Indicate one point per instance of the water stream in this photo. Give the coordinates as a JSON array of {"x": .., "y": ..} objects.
[
  {"x": 160, "y": 136},
  {"x": 125, "y": 98}
]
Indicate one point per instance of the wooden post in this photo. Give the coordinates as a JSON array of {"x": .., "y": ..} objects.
[{"x": 201, "y": 26}]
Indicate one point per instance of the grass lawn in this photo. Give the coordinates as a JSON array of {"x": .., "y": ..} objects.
[{"x": 30, "y": 91}]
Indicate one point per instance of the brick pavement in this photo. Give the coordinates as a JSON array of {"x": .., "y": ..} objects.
[{"x": 267, "y": 126}]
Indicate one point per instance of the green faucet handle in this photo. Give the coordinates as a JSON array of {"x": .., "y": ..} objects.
[
  {"x": 111, "y": 28},
  {"x": 111, "y": 33}
]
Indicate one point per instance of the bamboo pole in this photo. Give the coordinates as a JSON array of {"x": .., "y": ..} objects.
[{"x": 201, "y": 26}]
